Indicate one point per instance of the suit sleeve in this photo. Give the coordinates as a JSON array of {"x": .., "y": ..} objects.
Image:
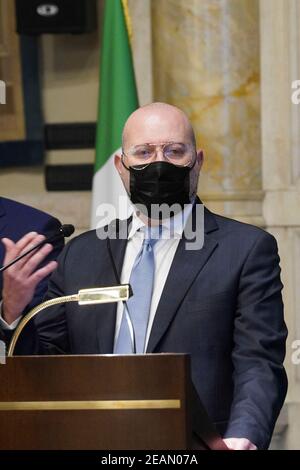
[
  {"x": 27, "y": 343},
  {"x": 260, "y": 382}
]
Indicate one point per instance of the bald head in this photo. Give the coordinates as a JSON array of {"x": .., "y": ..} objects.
[{"x": 157, "y": 123}]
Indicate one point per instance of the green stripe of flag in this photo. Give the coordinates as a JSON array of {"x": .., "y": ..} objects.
[{"x": 118, "y": 93}]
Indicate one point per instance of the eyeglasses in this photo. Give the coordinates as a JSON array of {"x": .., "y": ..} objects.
[{"x": 176, "y": 153}]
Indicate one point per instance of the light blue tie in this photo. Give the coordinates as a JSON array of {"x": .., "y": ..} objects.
[{"x": 141, "y": 281}]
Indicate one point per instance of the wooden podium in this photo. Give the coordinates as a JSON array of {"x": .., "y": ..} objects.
[{"x": 102, "y": 402}]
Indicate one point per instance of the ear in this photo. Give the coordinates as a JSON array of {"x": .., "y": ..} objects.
[
  {"x": 200, "y": 158},
  {"x": 118, "y": 163}
]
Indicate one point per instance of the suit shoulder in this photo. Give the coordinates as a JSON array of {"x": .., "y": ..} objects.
[
  {"x": 86, "y": 240},
  {"x": 21, "y": 219},
  {"x": 15, "y": 207},
  {"x": 117, "y": 228},
  {"x": 83, "y": 246},
  {"x": 98, "y": 237},
  {"x": 85, "y": 237}
]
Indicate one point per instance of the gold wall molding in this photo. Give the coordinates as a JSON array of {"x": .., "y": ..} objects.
[{"x": 12, "y": 126}]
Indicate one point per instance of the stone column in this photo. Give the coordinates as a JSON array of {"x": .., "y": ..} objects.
[
  {"x": 140, "y": 11},
  {"x": 206, "y": 61},
  {"x": 280, "y": 65}
]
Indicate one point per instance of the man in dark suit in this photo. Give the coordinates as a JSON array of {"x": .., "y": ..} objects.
[
  {"x": 24, "y": 284},
  {"x": 220, "y": 302}
]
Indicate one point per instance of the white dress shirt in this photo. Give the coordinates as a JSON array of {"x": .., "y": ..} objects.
[{"x": 164, "y": 252}]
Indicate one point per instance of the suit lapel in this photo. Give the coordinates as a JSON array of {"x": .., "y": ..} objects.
[
  {"x": 107, "y": 317},
  {"x": 185, "y": 267}
]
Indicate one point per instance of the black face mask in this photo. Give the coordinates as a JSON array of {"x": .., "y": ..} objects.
[{"x": 159, "y": 183}]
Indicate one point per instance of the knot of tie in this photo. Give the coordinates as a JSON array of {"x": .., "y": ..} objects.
[
  {"x": 153, "y": 234},
  {"x": 151, "y": 237},
  {"x": 149, "y": 243}
]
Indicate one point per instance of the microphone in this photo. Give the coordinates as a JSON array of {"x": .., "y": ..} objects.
[{"x": 64, "y": 231}]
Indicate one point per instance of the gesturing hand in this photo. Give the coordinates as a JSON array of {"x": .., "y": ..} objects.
[{"x": 21, "y": 279}]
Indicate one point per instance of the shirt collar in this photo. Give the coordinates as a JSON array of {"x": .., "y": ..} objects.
[
  {"x": 136, "y": 225},
  {"x": 172, "y": 228}
]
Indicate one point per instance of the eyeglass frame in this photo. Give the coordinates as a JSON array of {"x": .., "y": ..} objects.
[{"x": 161, "y": 145}]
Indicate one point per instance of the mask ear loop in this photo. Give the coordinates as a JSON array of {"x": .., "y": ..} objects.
[
  {"x": 191, "y": 167},
  {"x": 128, "y": 168},
  {"x": 122, "y": 160}
]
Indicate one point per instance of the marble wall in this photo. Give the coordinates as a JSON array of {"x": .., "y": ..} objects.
[
  {"x": 206, "y": 61},
  {"x": 280, "y": 118}
]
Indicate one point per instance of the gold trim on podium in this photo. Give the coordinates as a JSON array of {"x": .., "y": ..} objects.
[{"x": 90, "y": 405}]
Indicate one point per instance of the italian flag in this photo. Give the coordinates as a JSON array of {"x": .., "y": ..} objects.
[{"x": 117, "y": 100}]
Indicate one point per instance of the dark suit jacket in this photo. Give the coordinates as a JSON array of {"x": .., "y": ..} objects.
[
  {"x": 221, "y": 304},
  {"x": 16, "y": 220}
]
